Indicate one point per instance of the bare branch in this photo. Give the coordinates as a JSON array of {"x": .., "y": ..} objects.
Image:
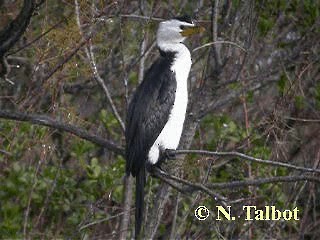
[
  {"x": 246, "y": 157},
  {"x": 261, "y": 181},
  {"x": 75, "y": 130},
  {"x": 100, "y": 221},
  {"x": 191, "y": 187},
  {"x": 94, "y": 69},
  {"x": 218, "y": 42},
  {"x": 104, "y": 87},
  {"x": 303, "y": 119},
  {"x": 141, "y": 17},
  {"x": 67, "y": 58},
  {"x": 160, "y": 174},
  {"x": 63, "y": 20}
]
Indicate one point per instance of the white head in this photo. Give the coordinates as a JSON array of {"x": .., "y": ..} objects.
[{"x": 176, "y": 30}]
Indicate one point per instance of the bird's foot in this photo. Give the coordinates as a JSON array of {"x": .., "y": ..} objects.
[
  {"x": 170, "y": 155},
  {"x": 166, "y": 154}
]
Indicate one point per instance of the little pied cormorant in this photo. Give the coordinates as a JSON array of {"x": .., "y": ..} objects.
[{"x": 157, "y": 111}]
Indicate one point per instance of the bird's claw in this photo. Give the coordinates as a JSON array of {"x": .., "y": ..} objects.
[{"x": 169, "y": 154}]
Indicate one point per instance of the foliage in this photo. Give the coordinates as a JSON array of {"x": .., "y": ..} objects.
[{"x": 253, "y": 89}]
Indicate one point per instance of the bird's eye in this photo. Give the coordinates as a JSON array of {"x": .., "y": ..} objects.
[{"x": 182, "y": 27}]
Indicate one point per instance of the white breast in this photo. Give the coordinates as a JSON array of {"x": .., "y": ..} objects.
[{"x": 169, "y": 137}]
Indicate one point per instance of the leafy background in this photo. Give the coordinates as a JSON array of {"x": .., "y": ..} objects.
[{"x": 263, "y": 101}]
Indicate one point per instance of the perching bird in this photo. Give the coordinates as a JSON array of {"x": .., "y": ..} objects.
[{"x": 157, "y": 111}]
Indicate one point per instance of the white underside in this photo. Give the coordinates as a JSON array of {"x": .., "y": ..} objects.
[{"x": 169, "y": 137}]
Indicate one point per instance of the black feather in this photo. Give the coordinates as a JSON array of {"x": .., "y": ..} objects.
[
  {"x": 140, "y": 183},
  {"x": 149, "y": 112},
  {"x": 147, "y": 115}
]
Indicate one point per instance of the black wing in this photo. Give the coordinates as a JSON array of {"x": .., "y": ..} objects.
[{"x": 148, "y": 113}]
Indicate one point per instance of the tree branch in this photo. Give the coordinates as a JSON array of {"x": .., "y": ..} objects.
[
  {"x": 63, "y": 20},
  {"x": 161, "y": 175},
  {"x": 261, "y": 181},
  {"x": 218, "y": 42},
  {"x": 52, "y": 123},
  {"x": 246, "y": 157},
  {"x": 94, "y": 68},
  {"x": 67, "y": 58},
  {"x": 191, "y": 187}
]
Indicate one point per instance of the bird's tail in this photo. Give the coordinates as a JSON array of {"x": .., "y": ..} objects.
[{"x": 140, "y": 182}]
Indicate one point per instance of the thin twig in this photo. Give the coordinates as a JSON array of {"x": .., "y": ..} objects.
[
  {"x": 141, "y": 17},
  {"x": 94, "y": 69},
  {"x": 124, "y": 69},
  {"x": 302, "y": 119},
  {"x": 67, "y": 58},
  {"x": 105, "y": 89},
  {"x": 218, "y": 42},
  {"x": 100, "y": 221},
  {"x": 63, "y": 20},
  {"x": 261, "y": 181}
]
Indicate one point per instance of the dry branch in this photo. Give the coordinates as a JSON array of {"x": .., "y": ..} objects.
[
  {"x": 190, "y": 187},
  {"x": 246, "y": 157},
  {"x": 52, "y": 123}
]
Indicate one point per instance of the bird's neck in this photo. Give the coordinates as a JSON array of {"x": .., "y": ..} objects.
[
  {"x": 179, "y": 56},
  {"x": 179, "y": 49},
  {"x": 176, "y": 52}
]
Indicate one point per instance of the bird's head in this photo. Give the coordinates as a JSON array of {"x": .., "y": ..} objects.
[{"x": 176, "y": 30}]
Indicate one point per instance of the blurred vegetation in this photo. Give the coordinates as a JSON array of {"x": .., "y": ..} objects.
[{"x": 54, "y": 184}]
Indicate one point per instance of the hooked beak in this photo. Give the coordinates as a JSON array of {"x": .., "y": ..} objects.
[{"x": 192, "y": 30}]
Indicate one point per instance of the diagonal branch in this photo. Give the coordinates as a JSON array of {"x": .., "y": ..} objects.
[
  {"x": 162, "y": 175},
  {"x": 94, "y": 69},
  {"x": 52, "y": 123},
  {"x": 67, "y": 58},
  {"x": 104, "y": 86},
  {"x": 63, "y": 20}
]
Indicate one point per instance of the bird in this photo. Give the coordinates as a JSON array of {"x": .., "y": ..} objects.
[{"x": 157, "y": 111}]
